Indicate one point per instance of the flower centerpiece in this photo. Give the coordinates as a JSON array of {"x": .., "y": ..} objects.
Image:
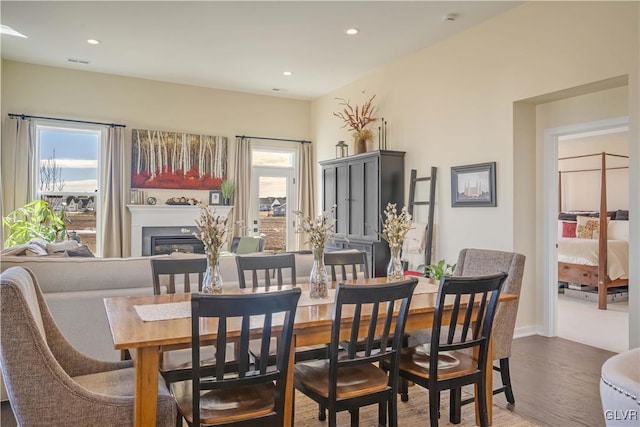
[
  {"x": 319, "y": 229},
  {"x": 356, "y": 120},
  {"x": 394, "y": 229},
  {"x": 212, "y": 231}
]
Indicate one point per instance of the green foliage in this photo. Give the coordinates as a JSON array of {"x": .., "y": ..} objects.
[
  {"x": 34, "y": 220},
  {"x": 227, "y": 188},
  {"x": 437, "y": 271}
]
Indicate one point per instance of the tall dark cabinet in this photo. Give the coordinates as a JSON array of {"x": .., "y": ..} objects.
[{"x": 361, "y": 186}]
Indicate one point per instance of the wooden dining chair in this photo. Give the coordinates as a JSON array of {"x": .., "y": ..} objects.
[
  {"x": 350, "y": 379},
  {"x": 246, "y": 397},
  {"x": 175, "y": 365},
  {"x": 178, "y": 267},
  {"x": 459, "y": 358},
  {"x": 345, "y": 262},
  {"x": 264, "y": 269}
]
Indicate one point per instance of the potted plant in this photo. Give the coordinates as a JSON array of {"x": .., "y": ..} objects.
[
  {"x": 437, "y": 271},
  {"x": 34, "y": 220},
  {"x": 227, "y": 188}
]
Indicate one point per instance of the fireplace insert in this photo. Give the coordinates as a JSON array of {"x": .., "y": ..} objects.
[{"x": 161, "y": 245}]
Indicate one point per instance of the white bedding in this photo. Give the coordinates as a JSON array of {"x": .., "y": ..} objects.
[{"x": 585, "y": 251}]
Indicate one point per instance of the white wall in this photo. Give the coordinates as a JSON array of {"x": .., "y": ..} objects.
[
  {"x": 146, "y": 104},
  {"x": 455, "y": 103}
]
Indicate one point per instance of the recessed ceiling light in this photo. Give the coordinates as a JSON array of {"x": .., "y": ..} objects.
[
  {"x": 287, "y": 73},
  {"x": 5, "y": 29},
  {"x": 352, "y": 31},
  {"x": 93, "y": 41}
]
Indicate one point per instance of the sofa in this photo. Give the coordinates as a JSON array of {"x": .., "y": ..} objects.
[{"x": 75, "y": 288}]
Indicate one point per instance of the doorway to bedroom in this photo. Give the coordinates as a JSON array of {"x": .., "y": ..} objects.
[{"x": 579, "y": 189}]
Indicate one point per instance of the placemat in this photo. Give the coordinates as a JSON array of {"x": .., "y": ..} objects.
[{"x": 171, "y": 310}]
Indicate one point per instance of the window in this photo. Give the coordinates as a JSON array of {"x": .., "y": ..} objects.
[
  {"x": 274, "y": 197},
  {"x": 68, "y": 176}
]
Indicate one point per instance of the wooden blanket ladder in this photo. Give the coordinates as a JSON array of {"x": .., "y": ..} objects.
[{"x": 430, "y": 202}]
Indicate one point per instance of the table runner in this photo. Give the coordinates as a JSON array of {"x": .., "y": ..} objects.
[{"x": 179, "y": 310}]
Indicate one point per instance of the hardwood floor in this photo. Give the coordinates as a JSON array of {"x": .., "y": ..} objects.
[{"x": 555, "y": 382}]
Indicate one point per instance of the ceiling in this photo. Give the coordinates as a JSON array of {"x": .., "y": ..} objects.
[{"x": 235, "y": 45}]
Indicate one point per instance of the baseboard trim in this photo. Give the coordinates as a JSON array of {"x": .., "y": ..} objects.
[{"x": 527, "y": 331}]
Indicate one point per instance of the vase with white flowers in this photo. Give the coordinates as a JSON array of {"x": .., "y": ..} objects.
[
  {"x": 319, "y": 229},
  {"x": 394, "y": 229},
  {"x": 212, "y": 231}
]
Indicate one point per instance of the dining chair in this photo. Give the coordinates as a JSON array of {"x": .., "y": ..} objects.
[
  {"x": 248, "y": 396},
  {"x": 349, "y": 379},
  {"x": 457, "y": 353},
  {"x": 478, "y": 262},
  {"x": 345, "y": 262},
  {"x": 180, "y": 267},
  {"x": 51, "y": 383},
  {"x": 175, "y": 365},
  {"x": 265, "y": 268}
]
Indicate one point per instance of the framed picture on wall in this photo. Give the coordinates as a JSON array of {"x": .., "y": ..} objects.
[
  {"x": 473, "y": 185},
  {"x": 215, "y": 197}
]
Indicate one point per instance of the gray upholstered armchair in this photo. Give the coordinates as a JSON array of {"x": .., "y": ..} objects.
[
  {"x": 475, "y": 262},
  {"x": 51, "y": 383}
]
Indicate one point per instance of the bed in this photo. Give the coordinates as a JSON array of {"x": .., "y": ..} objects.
[{"x": 598, "y": 255}]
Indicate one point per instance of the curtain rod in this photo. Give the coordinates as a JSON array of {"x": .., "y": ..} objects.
[
  {"x": 26, "y": 116},
  {"x": 301, "y": 141}
]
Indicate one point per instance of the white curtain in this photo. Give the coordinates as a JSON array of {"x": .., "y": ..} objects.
[
  {"x": 18, "y": 163},
  {"x": 306, "y": 187},
  {"x": 242, "y": 179},
  {"x": 115, "y": 233}
]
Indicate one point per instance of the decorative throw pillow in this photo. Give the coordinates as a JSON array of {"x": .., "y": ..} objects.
[
  {"x": 569, "y": 228},
  {"x": 588, "y": 228},
  {"x": 81, "y": 251}
]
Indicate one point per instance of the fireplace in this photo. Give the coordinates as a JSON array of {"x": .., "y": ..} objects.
[
  {"x": 161, "y": 245},
  {"x": 149, "y": 221}
]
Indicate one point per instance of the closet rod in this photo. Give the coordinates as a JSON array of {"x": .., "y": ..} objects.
[
  {"x": 26, "y": 116},
  {"x": 301, "y": 141}
]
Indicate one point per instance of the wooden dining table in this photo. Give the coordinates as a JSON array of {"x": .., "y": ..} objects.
[{"x": 312, "y": 326}]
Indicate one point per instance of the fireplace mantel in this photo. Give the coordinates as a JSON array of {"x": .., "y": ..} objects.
[{"x": 163, "y": 216}]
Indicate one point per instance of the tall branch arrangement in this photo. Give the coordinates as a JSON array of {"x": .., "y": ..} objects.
[
  {"x": 357, "y": 118},
  {"x": 396, "y": 226},
  {"x": 212, "y": 231},
  {"x": 319, "y": 229}
]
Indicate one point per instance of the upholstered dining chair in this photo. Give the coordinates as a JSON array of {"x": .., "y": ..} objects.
[
  {"x": 248, "y": 396},
  {"x": 478, "y": 262},
  {"x": 347, "y": 264},
  {"x": 349, "y": 379},
  {"x": 447, "y": 362},
  {"x": 48, "y": 381}
]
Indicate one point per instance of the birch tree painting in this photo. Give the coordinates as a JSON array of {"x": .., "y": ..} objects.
[{"x": 177, "y": 160}]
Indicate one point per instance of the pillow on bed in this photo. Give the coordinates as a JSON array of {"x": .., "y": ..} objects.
[
  {"x": 588, "y": 228},
  {"x": 569, "y": 228}
]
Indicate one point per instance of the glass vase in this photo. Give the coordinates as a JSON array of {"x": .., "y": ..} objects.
[
  {"x": 212, "y": 280},
  {"x": 319, "y": 279},
  {"x": 394, "y": 269}
]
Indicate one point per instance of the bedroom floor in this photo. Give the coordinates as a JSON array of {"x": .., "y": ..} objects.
[{"x": 581, "y": 321}]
